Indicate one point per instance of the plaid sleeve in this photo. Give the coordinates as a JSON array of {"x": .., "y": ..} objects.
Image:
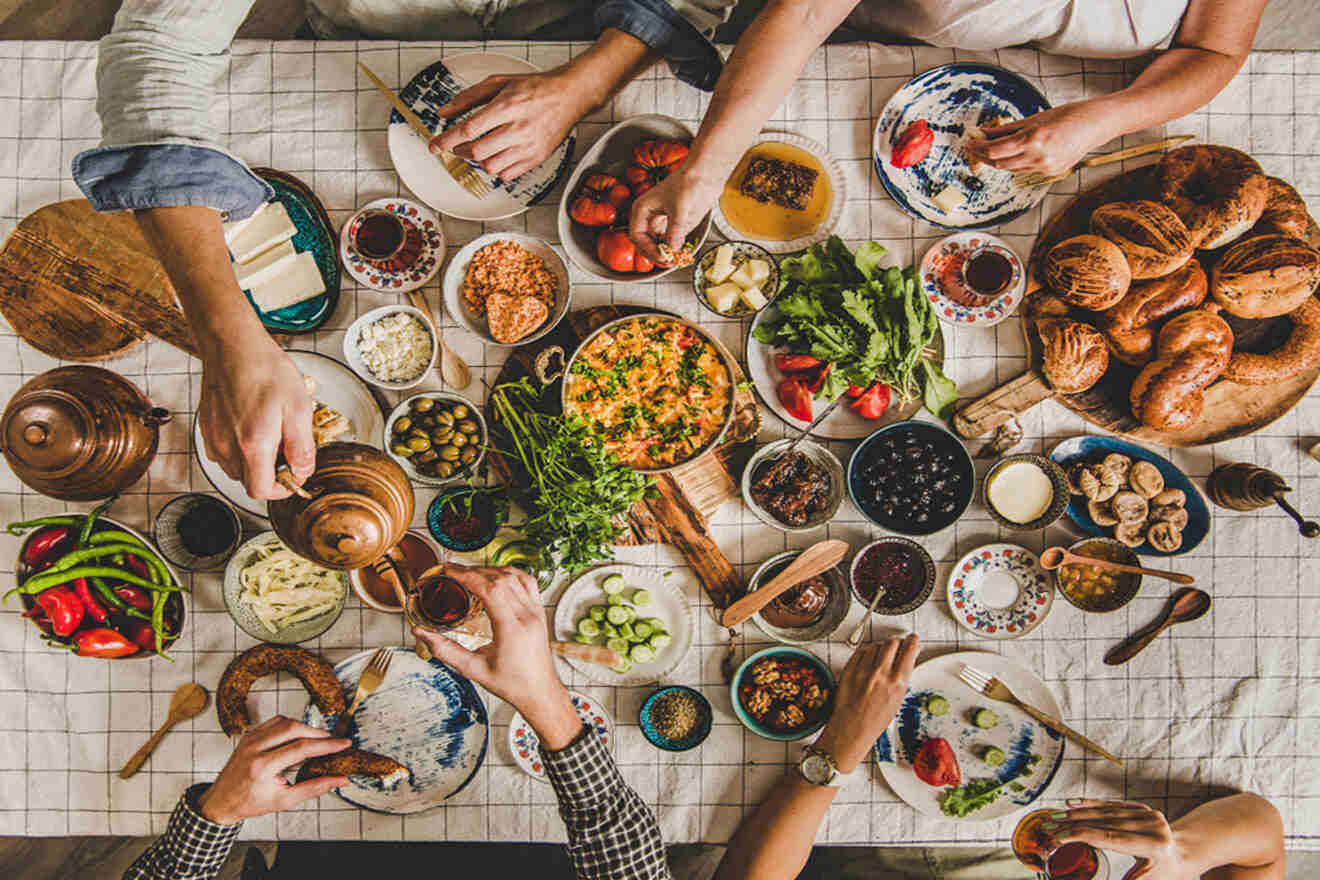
[
  {"x": 612, "y": 835},
  {"x": 192, "y": 847}
]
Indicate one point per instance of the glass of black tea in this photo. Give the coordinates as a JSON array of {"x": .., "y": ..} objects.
[
  {"x": 1039, "y": 850},
  {"x": 377, "y": 235},
  {"x": 439, "y": 603}
]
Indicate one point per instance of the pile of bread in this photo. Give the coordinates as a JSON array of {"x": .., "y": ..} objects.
[
  {"x": 1130, "y": 497},
  {"x": 1136, "y": 288}
]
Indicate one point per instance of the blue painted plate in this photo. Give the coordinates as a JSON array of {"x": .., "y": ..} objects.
[
  {"x": 950, "y": 98},
  {"x": 1092, "y": 449},
  {"x": 425, "y": 716}
]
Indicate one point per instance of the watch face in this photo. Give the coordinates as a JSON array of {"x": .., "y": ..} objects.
[{"x": 816, "y": 769}]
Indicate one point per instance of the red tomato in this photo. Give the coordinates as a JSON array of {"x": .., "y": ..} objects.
[
  {"x": 795, "y": 397},
  {"x": 615, "y": 249},
  {"x": 913, "y": 145},
  {"x": 936, "y": 764},
  {"x": 652, "y": 162},
  {"x": 598, "y": 202},
  {"x": 873, "y": 402},
  {"x": 796, "y": 363},
  {"x": 854, "y": 392},
  {"x": 817, "y": 378}
]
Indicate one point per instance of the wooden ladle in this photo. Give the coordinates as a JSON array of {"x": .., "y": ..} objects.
[
  {"x": 809, "y": 563},
  {"x": 1056, "y": 556},
  {"x": 1187, "y": 604},
  {"x": 188, "y": 702}
]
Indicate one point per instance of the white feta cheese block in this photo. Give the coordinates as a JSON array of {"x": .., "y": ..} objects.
[
  {"x": 299, "y": 279},
  {"x": 723, "y": 297},
  {"x": 747, "y": 276},
  {"x": 722, "y": 268},
  {"x": 760, "y": 270},
  {"x": 262, "y": 233},
  {"x": 234, "y": 227},
  {"x": 950, "y": 199},
  {"x": 753, "y": 297},
  {"x": 260, "y": 269}
]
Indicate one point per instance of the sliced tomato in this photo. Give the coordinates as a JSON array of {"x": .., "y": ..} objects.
[
  {"x": 817, "y": 378},
  {"x": 912, "y": 145},
  {"x": 936, "y": 764},
  {"x": 796, "y": 363},
  {"x": 795, "y": 397},
  {"x": 872, "y": 403},
  {"x": 854, "y": 391}
]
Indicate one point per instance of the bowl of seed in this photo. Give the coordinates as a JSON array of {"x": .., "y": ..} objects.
[{"x": 675, "y": 718}]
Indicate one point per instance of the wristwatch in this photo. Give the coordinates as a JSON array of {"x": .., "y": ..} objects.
[{"x": 818, "y": 768}]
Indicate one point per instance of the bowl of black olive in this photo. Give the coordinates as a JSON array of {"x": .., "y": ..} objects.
[
  {"x": 436, "y": 437},
  {"x": 911, "y": 477}
]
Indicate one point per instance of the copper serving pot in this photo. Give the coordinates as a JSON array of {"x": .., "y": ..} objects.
[
  {"x": 80, "y": 433},
  {"x": 360, "y": 506}
]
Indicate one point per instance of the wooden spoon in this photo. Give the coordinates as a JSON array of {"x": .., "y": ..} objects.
[
  {"x": 1187, "y": 604},
  {"x": 598, "y": 654},
  {"x": 1057, "y": 556},
  {"x": 188, "y": 702},
  {"x": 811, "y": 562},
  {"x": 453, "y": 370}
]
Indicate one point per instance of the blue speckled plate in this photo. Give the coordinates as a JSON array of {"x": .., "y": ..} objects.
[
  {"x": 951, "y": 97},
  {"x": 1017, "y": 734},
  {"x": 1093, "y": 449},
  {"x": 425, "y": 716}
]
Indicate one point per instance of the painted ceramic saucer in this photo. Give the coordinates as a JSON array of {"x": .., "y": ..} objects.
[
  {"x": 999, "y": 591},
  {"x": 955, "y": 302},
  {"x": 525, "y": 745},
  {"x": 379, "y": 274}
]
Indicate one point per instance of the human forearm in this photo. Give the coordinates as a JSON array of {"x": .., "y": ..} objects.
[
  {"x": 613, "y": 61},
  {"x": 777, "y": 839},
  {"x": 192, "y": 846},
  {"x": 1242, "y": 833}
]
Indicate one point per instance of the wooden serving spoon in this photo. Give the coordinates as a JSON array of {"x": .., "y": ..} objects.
[
  {"x": 1187, "y": 604},
  {"x": 452, "y": 368},
  {"x": 188, "y": 702},
  {"x": 809, "y": 563},
  {"x": 1056, "y": 556},
  {"x": 598, "y": 654}
]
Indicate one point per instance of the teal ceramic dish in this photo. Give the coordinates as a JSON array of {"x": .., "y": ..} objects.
[
  {"x": 659, "y": 740},
  {"x": 498, "y": 513},
  {"x": 813, "y": 722}
]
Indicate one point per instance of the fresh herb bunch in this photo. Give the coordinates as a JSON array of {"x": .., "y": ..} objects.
[
  {"x": 870, "y": 323},
  {"x": 570, "y": 486}
]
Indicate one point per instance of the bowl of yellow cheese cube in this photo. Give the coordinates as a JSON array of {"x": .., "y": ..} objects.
[{"x": 736, "y": 279}]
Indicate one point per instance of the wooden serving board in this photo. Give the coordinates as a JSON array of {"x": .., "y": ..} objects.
[
  {"x": 685, "y": 498},
  {"x": 84, "y": 286},
  {"x": 1231, "y": 410}
]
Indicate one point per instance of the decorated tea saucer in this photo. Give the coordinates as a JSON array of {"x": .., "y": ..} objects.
[
  {"x": 525, "y": 745},
  {"x": 956, "y": 303},
  {"x": 379, "y": 274},
  {"x": 999, "y": 591}
]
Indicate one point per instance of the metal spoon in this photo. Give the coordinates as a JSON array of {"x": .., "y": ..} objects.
[
  {"x": 453, "y": 370},
  {"x": 188, "y": 701},
  {"x": 855, "y": 639},
  {"x": 1187, "y": 604},
  {"x": 1056, "y": 556}
]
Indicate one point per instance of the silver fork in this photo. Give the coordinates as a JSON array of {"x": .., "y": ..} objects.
[{"x": 994, "y": 689}]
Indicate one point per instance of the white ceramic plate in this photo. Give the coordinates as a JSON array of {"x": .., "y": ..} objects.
[
  {"x": 428, "y": 261},
  {"x": 524, "y": 744},
  {"x": 451, "y": 289},
  {"x": 668, "y": 603},
  {"x": 827, "y": 226},
  {"x": 999, "y": 591},
  {"x": 424, "y": 174},
  {"x": 1019, "y": 735},
  {"x": 336, "y": 387},
  {"x": 425, "y": 716},
  {"x": 292, "y": 634},
  {"x": 941, "y": 281}
]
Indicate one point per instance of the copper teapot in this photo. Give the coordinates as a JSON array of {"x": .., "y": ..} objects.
[
  {"x": 80, "y": 433},
  {"x": 359, "y": 504}
]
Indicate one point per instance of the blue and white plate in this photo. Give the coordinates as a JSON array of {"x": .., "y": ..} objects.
[
  {"x": 950, "y": 98},
  {"x": 526, "y": 745},
  {"x": 425, "y": 716},
  {"x": 1017, "y": 734},
  {"x": 999, "y": 591},
  {"x": 422, "y": 172},
  {"x": 1093, "y": 449}
]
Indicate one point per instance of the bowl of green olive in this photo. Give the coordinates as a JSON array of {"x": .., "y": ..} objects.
[{"x": 436, "y": 437}]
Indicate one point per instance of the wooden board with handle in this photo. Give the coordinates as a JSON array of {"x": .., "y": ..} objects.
[{"x": 1231, "y": 410}]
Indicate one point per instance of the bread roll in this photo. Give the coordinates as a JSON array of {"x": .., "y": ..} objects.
[
  {"x": 1300, "y": 350},
  {"x": 1150, "y": 235},
  {"x": 1191, "y": 351},
  {"x": 1218, "y": 192},
  {"x": 1265, "y": 276},
  {"x": 1131, "y": 325},
  {"x": 1285, "y": 213},
  {"x": 1075, "y": 354},
  {"x": 1087, "y": 271}
]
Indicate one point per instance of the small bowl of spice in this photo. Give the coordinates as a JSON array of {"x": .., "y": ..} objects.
[
  {"x": 793, "y": 491},
  {"x": 197, "y": 532},
  {"x": 419, "y": 552},
  {"x": 391, "y": 347},
  {"x": 899, "y": 566},
  {"x": 466, "y": 518},
  {"x": 1096, "y": 589},
  {"x": 1026, "y": 492},
  {"x": 675, "y": 718},
  {"x": 807, "y": 612}
]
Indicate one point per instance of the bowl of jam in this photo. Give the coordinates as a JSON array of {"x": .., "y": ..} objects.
[
  {"x": 911, "y": 477},
  {"x": 807, "y": 612},
  {"x": 901, "y": 567}
]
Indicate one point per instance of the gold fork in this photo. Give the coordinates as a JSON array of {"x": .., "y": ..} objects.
[
  {"x": 994, "y": 689},
  {"x": 371, "y": 677},
  {"x": 464, "y": 174}
]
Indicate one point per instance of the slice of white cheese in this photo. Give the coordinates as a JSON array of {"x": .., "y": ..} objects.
[
  {"x": 722, "y": 268},
  {"x": 234, "y": 227},
  {"x": 753, "y": 298},
  {"x": 760, "y": 270},
  {"x": 745, "y": 276},
  {"x": 950, "y": 199},
  {"x": 260, "y": 269},
  {"x": 723, "y": 297},
  {"x": 298, "y": 279},
  {"x": 262, "y": 233}
]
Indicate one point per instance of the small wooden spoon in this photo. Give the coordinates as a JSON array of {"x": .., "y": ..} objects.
[
  {"x": 598, "y": 654},
  {"x": 1056, "y": 556},
  {"x": 453, "y": 370},
  {"x": 188, "y": 702},
  {"x": 811, "y": 562},
  {"x": 1187, "y": 604}
]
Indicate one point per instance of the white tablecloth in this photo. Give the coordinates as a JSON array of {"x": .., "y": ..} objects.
[{"x": 1225, "y": 703}]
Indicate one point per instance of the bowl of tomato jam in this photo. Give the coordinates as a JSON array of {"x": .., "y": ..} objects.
[{"x": 900, "y": 567}]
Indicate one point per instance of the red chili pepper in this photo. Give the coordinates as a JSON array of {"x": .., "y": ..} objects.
[
  {"x": 912, "y": 145},
  {"x": 873, "y": 402},
  {"x": 63, "y": 607},
  {"x": 95, "y": 610},
  {"x": 45, "y": 546},
  {"x": 796, "y": 363},
  {"x": 795, "y": 397},
  {"x": 134, "y": 596},
  {"x": 817, "y": 379},
  {"x": 139, "y": 567},
  {"x": 103, "y": 642},
  {"x": 141, "y": 634},
  {"x": 936, "y": 764}
]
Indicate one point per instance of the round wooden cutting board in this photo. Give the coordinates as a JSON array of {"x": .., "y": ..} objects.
[{"x": 1231, "y": 410}]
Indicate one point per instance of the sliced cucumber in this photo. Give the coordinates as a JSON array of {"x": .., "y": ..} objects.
[
  {"x": 937, "y": 705},
  {"x": 597, "y": 613},
  {"x": 641, "y": 598},
  {"x": 617, "y": 614},
  {"x": 994, "y": 757},
  {"x": 588, "y": 627},
  {"x": 660, "y": 641},
  {"x": 608, "y": 630},
  {"x": 585, "y": 640},
  {"x": 643, "y": 629},
  {"x": 985, "y": 719},
  {"x": 657, "y": 624},
  {"x": 632, "y": 613},
  {"x": 642, "y": 654},
  {"x": 626, "y": 632},
  {"x": 624, "y": 665},
  {"x": 618, "y": 646},
  {"x": 613, "y": 584},
  {"x": 616, "y": 599}
]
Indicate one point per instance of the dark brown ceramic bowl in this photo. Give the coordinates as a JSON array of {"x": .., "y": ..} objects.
[
  {"x": 1128, "y": 585},
  {"x": 1058, "y": 480}
]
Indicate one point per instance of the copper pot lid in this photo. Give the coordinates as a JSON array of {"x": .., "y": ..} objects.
[{"x": 50, "y": 433}]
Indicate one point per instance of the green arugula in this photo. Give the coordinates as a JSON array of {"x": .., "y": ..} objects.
[{"x": 979, "y": 793}]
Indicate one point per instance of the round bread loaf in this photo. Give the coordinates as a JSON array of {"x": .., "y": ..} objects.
[
  {"x": 1075, "y": 355},
  {"x": 1218, "y": 192},
  {"x": 1192, "y": 350},
  {"x": 1265, "y": 275},
  {"x": 1150, "y": 235},
  {"x": 1087, "y": 271},
  {"x": 1285, "y": 213},
  {"x": 1300, "y": 350},
  {"x": 1131, "y": 325}
]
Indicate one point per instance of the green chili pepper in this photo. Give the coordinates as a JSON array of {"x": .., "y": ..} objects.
[
  {"x": 45, "y": 580},
  {"x": 109, "y": 595},
  {"x": 17, "y": 529},
  {"x": 140, "y": 549},
  {"x": 158, "y": 621},
  {"x": 90, "y": 520},
  {"x": 73, "y": 557}
]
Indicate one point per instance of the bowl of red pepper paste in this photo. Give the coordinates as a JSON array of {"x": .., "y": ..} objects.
[
  {"x": 899, "y": 566},
  {"x": 466, "y": 519}
]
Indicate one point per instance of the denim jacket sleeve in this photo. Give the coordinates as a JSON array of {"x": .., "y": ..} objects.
[
  {"x": 680, "y": 30},
  {"x": 155, "y": 79}
]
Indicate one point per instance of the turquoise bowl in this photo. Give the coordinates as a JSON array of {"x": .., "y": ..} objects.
[
  {"x": 765, "y": 732},
  {"x": 693, "y": 739},
  {"x": 435, "y": 522}
]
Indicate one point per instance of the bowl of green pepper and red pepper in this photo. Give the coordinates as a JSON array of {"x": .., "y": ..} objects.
[{"x": 96, "y": 587}]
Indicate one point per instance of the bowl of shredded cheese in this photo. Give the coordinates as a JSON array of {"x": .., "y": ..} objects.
[
  {"x": 391, "y": 347},
  {"x": 275, "y": 595}
]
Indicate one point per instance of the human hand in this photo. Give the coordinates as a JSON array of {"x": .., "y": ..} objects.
[
  {"x": 525, "y": 118},
  {"x": 668, "y": 211},
  {"x": 1050, "y": 142},
  {"x": 254, "y": 404},
  {"x": 870, "y": 691},
  {"x": 251, "y": 783},
  {"x": 1127, "y": 827},
  {"x": 516, "y": 666}
]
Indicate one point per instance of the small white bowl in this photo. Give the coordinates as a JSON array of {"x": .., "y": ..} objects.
[
  {"x": 354, "y": 357},
  {"x": 451, "y": 288},
  {"x": 403, "y": 408}
]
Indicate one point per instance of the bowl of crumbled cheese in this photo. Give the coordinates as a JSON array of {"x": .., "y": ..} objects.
[{"x": 391, "y": 347}]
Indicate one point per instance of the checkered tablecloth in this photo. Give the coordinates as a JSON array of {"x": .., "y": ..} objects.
[{"x": 1229, "y": 702}]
